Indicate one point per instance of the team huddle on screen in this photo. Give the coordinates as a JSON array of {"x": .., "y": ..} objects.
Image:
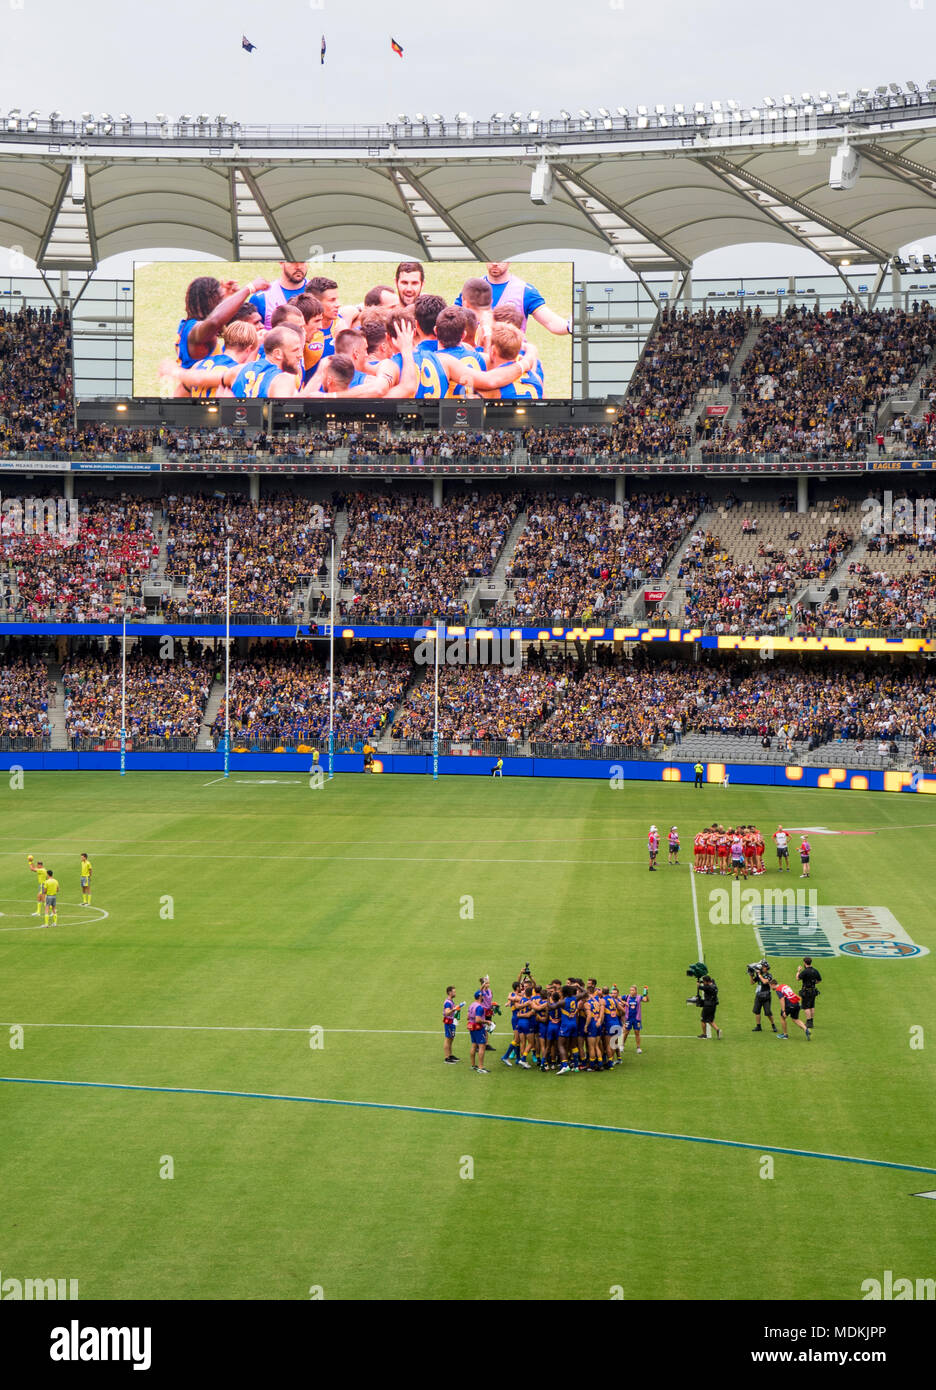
[{"x": 296, "y": 338}]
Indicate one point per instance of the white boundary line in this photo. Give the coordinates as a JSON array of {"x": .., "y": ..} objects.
[
  {"x": 228, "y": 1028},
  {"x": 695, "y": 910}
]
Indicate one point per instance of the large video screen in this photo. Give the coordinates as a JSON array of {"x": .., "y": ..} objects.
[{"x": 353, "y": 329}]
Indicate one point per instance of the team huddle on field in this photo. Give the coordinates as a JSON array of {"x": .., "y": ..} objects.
[
  {"x": 561, "y": 1027},
  {"x": 737, "y": 850},
  {"x": 297, "y": 338}
]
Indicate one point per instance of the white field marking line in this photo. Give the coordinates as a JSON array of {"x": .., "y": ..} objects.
[
  {"x": 213, "y": 781},
  {"x": 227, "y": 1028},
  {"x": 378, "y": 858},
  {"x": 77, "y": 923},
  {"x": 695, "y": 909}
]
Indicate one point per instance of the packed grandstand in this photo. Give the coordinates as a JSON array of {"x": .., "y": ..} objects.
[{"x": 712, "y": 554}]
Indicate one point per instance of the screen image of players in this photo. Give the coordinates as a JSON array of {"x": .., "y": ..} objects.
[{"x": 479, "y": 360}]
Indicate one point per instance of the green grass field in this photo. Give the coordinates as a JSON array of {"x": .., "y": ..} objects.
[{"x": 344, "y": 909}]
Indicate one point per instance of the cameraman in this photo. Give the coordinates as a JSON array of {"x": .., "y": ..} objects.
[
  {"x": 808, "y": 977},
  {"x": 762, "y": 980},
  {"x": 708, "y": 999}
]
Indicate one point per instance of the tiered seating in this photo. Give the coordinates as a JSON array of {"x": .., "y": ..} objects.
[
  {"x": 281, "y": 697},
  {"x": 404, "y": 558},
  {"x": 166, "y": 699},
  {"x": 815, "y": 381},
  {"x": 275, "y": 545},
  {"x": 483, "y": 702},
  {"x": 744, "y": 574},
  {"x": 89, "y": 572},
  {"x": 578, "y": 556},
  {"x": 25, "y": 695}
]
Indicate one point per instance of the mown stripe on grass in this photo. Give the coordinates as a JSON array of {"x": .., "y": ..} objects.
[{"x": 471, "y": 1115}]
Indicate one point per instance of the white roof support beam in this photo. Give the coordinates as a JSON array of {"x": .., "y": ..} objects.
[
  {"x": 772, "y": 202},
  {"x": 464, "y": 243},
  {"x": 582, "y": 191}
]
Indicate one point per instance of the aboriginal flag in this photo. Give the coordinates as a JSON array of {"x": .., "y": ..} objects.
[
  {"x": 245, "y": 43},
  {"x": 396, "y": 48}
]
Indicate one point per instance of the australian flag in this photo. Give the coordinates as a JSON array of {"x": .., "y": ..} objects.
[{"x": 245, "y": 43}]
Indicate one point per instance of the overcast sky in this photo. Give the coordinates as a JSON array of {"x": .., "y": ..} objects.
[{"x": 181, "y": 56}]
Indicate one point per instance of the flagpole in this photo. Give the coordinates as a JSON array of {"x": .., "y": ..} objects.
[
  {"x": 331, "y": 669},
  {"x": 435, "y": 723},
  {"x": 123, "y": 694},
  {"x": 227, "y": 661}
]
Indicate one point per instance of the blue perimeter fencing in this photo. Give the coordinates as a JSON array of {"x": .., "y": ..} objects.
[{"x": 740, "y": 774}]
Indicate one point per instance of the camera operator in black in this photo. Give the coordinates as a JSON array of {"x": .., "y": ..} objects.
[
  {"x": 808, "y": 977},
  {"x": 762, "y": 981},
  {"x": 708, "y": 994}
]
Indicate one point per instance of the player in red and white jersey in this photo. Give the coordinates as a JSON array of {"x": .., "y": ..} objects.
[
  {"x": 759, "y": 848},
  {"x": 698, "y": 850},
  {"x": 747, "y": 837},
  {"x": 782, "y": 841},
  {"x": 653, "y": 846},
  {"x": 723, "y": 846},
  {"x": 790, "y": 1003}
]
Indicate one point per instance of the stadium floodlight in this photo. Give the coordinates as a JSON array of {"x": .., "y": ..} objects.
[
  {"x": 660, "y": 110},
  {"x": 844, "y": 103},
  {"x": 419, "y": 117},
  {"x": 403, "y": 120},
  {"x": 807, "y": 98},
  {"x": 124, "y": 119},
  {"x": 769, "y": 101},
  {"x": 931, "y": 85},
  {"x": 437, "y": 118},
  {"x": 623, "y": 111},
  {"x": 701, "y": 118},
  {"x": 643, "y": 122},
  {"x": 565, "y": 115},
  {"x": 699, "y": 107},
  {"x": 896, "y": 89},
  {"x": 185, "y": 120},
  {"x": 881, "y": 91},
  {"x": 679, "y": 109},
  {"x": 732, "y": 106},
  {"x": 516, "y": 127},
  {"x": 788, "y": 100},
  {"x": 603, "y": 111},
  {"x": 863, "y": 92},
  {"x": 641, "y": 110},
  {"x": 754, "y": 114},
  {"x": 162, "y": 118},
  {"x": 716, "y": 105},
  {"x": 912, "y": 87},
  {"x": 223, "y": 119},
  {"x": 929, "y": 263},
  {"x": 534, "y": 116},
  {"x": 498, "y": 116},
  {"x": 583, "y": 113},
  {"x": 680, "y": 119}
]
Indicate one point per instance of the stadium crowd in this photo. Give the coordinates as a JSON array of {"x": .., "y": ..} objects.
[
  {"x": 280, "y": 695},
  {"x": 85, "y": 563},
  {"x": 26, "y": 692},
  {"x": 166, "y": 699},
  {"x": 276, "y": 544},
  {"x": 578, "y": 556},
  {"x": 815, "y": 381},
  {"x": 484, "y": 702},
  {"x": 402, "y": 557}
]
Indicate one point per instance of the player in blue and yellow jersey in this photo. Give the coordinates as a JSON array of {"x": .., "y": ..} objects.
[
  {"x": 84, "y": 873},
  {"x": 437, "y": 370},
  {"x": 451, "y": 328},
  {"x": 209, "y": 306},
  {"x": 41, "y": 876},
  {"x": 568, "y": 1025},
  {"x": 450, "y": 1015},
  {"x": 507, "y": 350},
  {"x": 508, "y": 313},
  {"x": 51, "y": 898},
  {"x": 513, "y": 1004},
  {"x": 594, "y": 1003},
  {"x": 337, "y": 375},
  {"x": 524, "y": 1025},
  {"x": 241, "y": 341},
  {"x": 310, "y": 307}
]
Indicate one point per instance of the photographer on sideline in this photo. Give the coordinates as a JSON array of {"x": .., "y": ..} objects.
[
  {"x": 708, "y": 994},
  {"x": 808, "y": 977},
  {"x": 763, "y": 981}
]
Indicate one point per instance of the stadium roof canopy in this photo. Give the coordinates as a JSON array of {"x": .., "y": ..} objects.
[{"x": 657, "y": 189}]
